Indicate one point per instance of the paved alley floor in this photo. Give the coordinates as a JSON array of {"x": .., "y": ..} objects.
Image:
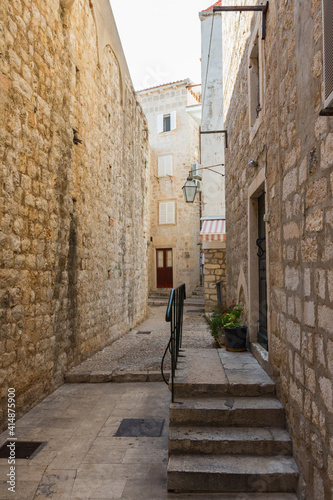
[
  {"x": 137, "y": 356},
  {"x": 80, "y": 456}
]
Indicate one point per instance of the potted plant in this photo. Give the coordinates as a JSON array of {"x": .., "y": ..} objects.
[
  {"x": 235, "y": 330},
  {"x": 227, "y": 328}
]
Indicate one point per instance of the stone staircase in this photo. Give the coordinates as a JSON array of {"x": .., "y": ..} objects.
[{"x": 227, "y": 428}]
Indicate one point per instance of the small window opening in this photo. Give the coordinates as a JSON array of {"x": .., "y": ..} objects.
[
  {"x": 254, "y": 82},
  {"x": 166, "y": 123}
]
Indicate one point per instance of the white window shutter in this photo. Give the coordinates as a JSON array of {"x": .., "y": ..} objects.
[
  {"x": 162, "y": 212},
  {"x": 160, "y": 123},
  {"x": 168, "y": 165},
  {"x": 173, "y": 120},
  {"x": 171, "y": 212},
  {"x": 160, "y": 167},
  {"x": 164, "y": 165},
  {"x": 166, "y": 212}
]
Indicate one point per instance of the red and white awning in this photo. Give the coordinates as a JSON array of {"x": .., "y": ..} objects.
[{"x": 213, "y": 230}]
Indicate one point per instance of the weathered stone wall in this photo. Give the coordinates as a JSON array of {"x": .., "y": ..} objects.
[
  {"x": 294, "y": 149},
  {"x": 183, "y": 144},
  {"x": 74, "y": 223},
  {"x": 215, "y": 270}
]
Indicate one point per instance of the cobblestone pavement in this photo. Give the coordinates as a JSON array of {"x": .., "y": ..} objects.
[{"x": 137, "y": 356}]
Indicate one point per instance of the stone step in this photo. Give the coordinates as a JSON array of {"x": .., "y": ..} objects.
[
  {"x": 234, "y": 473},
  {"x": 229, "y": 440},
  {"x": 260, "y": 411},
  {"x": 237, "y": 496},
  {"x": 201, "y": 373}
]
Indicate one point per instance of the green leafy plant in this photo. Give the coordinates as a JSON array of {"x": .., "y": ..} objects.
[{"x": 224, "y": 317}]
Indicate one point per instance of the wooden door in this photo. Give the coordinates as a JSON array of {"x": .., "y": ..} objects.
[{"x": 164, "y": 268}]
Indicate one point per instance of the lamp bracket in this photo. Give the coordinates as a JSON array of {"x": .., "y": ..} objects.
[
  {"x": 254, "y": 8},
  {"x": 225, "y": 132}
]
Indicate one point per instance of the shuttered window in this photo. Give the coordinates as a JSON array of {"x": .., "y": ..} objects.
[
  {"x": 164, "y": 165},
  {"x": 328, "y": 51},
  {"x": 166, "y": 122},
  {"x": 166, "y": 211}
]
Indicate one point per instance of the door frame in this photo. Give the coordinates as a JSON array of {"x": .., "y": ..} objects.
[
  {"x": 164, "y": 247},
  {"x": 257, "y": 188}
]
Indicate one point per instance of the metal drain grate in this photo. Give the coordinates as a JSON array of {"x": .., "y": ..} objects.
[
  {"x": 143, "y": 333},
  {"x": 140, "y": 427},
  {"x": 19, "y": 449}
]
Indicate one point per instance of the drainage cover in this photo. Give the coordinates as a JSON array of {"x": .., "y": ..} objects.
[
  {"x": 19, "y": 449},
  {"x": 140, "y": 427},
  {"x": 143, "y": 333}
]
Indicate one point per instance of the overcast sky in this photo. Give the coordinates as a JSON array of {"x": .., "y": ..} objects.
[{"x": 160, "y": 38}]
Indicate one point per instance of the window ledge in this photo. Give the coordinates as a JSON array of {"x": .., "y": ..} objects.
[{"x": 326, "y": 112}]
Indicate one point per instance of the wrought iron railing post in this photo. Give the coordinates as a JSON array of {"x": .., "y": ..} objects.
[{"x": 174, "y": 316}]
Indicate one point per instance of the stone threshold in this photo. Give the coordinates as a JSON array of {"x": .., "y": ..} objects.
[{"x": 117, "y": 376}]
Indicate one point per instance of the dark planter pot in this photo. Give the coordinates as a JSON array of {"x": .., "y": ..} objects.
[{"x": 235, "y": 338}]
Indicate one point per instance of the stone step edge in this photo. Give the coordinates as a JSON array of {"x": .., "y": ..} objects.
[
  {"x": 117, "y": 376},
  {"x": 219, "y": 440},
  {"x": 185, "y": 431},
  {"x": 182, "y": 389}
]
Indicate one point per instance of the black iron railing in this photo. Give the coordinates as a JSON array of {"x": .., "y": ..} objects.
[{"x": 174, "y": 316}]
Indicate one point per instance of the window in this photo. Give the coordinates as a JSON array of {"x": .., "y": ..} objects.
[
  {"x": 166, "y": 122},
  {"x": 164, "y": 165},
  {"x": 328, "y": 52},
  {"x": 166, "y": 210},
  {"x": 254, "y": 82}
]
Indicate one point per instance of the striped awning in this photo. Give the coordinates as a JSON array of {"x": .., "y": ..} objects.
[{"x": 213, "y": 230}]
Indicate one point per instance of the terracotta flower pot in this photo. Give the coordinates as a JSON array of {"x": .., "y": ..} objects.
[{"x": 235, "y": 338}]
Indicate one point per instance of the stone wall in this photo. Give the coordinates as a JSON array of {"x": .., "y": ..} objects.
[
  {"x": 293, "y": 148},
  {"x": 183, "y": 144},
  {"x": 74, "y": 223},
  {"x": 215, "y": 270}
]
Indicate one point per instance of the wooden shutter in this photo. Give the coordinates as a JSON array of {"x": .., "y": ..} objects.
[
  {"x": 166, "y": 212},
  {"x": 328, "y": 51},
  {"x": 164, "y": 165},
  {"x": 173, "y": 120},
  {"x": 160, "y": 123}
]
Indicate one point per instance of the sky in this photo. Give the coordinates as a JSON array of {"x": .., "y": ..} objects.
[{"x": 161, "y": 39}]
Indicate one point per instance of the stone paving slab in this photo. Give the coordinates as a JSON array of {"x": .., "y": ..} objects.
[
  {"x": 84, "y": 460},
  {"x": 137, "y": 358}
]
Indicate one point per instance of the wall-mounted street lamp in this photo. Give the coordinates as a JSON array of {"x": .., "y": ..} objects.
[{"x": 190, "y": 189}]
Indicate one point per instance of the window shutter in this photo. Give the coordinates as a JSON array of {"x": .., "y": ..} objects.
[
  {"x": 173, "y": 120},
  {"x": 328, "y": 51},
  {"x": 164, "y": 165},
  {"x": 166, "y": 212},
  {"x": 168, "y": 165},
  {"x": 160, "y": 123},
  {"x": 160, "y": 167}
]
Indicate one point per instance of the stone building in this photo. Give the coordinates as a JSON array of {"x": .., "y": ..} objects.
[
  {"x": 212, "y": 142},
  {"x": 279, "y": 181},
  {"x": 74, "y": 216},
  {"x": 174, "y": 255}
]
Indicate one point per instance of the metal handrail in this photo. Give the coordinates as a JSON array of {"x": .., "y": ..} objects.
[{"x": 174, "y": 316}]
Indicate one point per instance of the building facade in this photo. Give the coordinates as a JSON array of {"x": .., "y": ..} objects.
[
  {"x": 279, "y": 182},
  {"x": 74, "y": 159},
  {"x": 174, "y": 253},
  {"x": 212, "y": 142}
]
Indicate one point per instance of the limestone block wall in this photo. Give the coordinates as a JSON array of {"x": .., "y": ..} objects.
[
  {"x": 215, "y": 270},
  {"x": 293, "y": 146},
  {"x": 74, "y": 218}
]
